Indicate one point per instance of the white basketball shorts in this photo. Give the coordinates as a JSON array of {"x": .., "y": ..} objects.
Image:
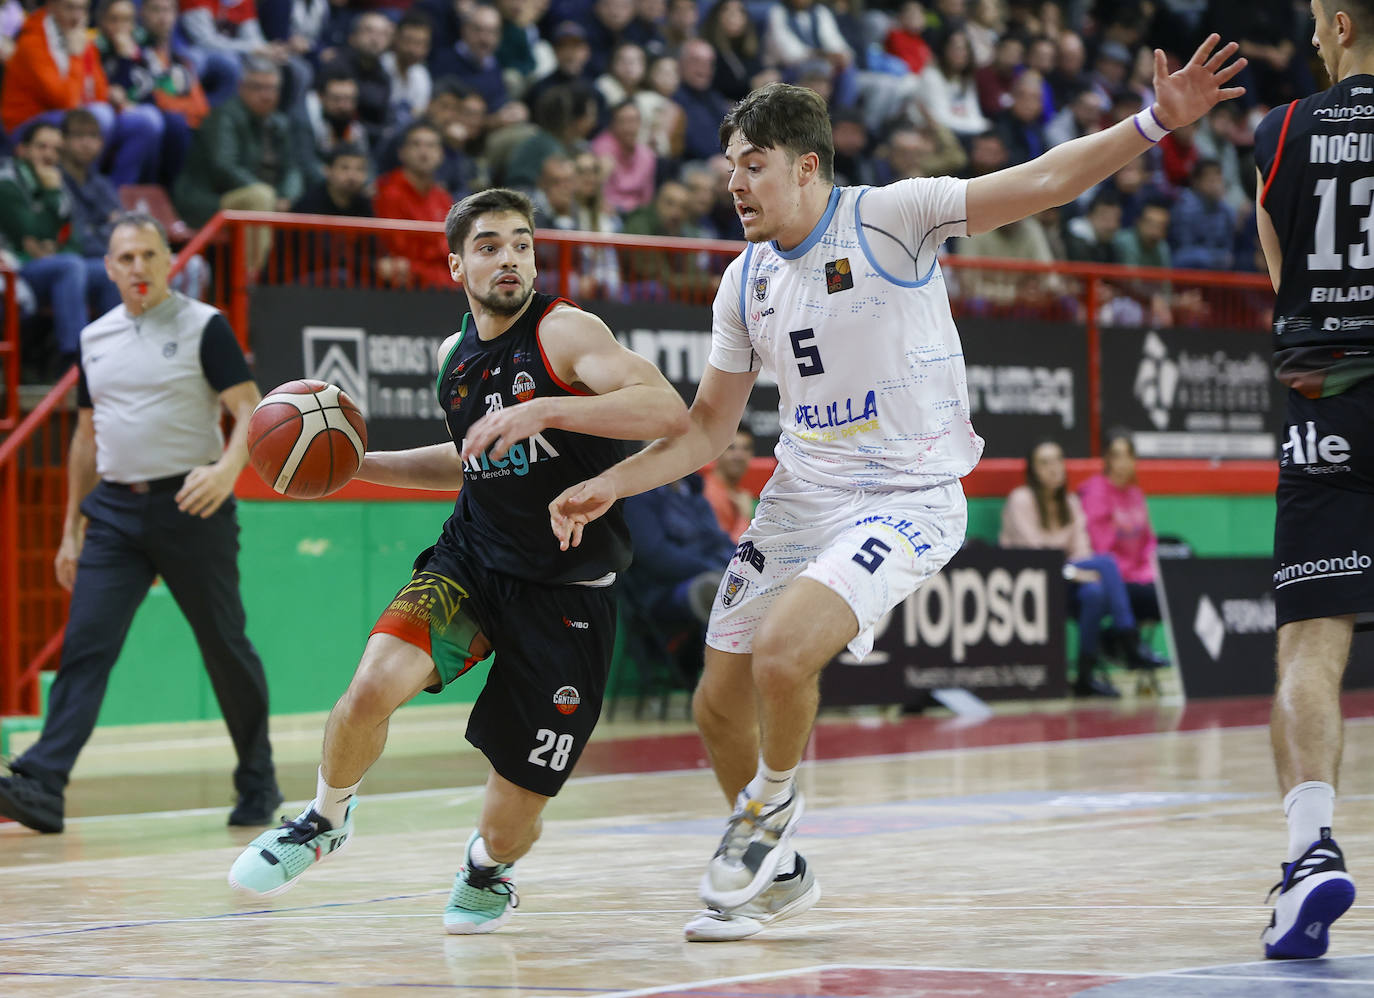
[{"x": 873, "y": 549}]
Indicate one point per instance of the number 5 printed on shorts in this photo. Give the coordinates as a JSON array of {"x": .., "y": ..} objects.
[{"x": 871, "y": 554}]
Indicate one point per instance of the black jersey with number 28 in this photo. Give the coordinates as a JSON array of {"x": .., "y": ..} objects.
[
  {"x": 502, "y": 513},
  {"x": 1316, "y": 163}
]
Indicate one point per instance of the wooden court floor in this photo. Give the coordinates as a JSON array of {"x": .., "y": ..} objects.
[{"x": 1119, "y": 852}]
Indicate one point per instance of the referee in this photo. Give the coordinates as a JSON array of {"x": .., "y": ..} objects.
[{"x": 150, "y": 492}]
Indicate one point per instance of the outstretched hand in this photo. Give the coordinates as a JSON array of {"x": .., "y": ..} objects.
[
  {"x": 577, "y": 506},
  {"x": 1185, "y": 96}
]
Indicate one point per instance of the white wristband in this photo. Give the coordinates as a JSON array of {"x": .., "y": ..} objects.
[{"x": 1147, "y": 124}]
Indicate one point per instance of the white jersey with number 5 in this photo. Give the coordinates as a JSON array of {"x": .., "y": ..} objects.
[{"x": 855, "y": 325}]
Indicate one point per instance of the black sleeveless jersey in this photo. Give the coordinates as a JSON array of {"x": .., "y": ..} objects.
[
  {"x": 502, "y": 514},
  {"x": 1316, "y": 158}
]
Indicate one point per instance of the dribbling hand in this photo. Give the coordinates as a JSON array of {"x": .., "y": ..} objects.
[
  {"x": 496, "y": 432},
  {"x": 577, "y": 506},
  {"x": 1186, "y": 95}
]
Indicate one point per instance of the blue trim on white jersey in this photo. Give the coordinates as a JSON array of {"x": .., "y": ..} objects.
[
  {"x": 815, "y": 235},
  {"x": 868, "y": 253},
  {"x": 744, "y": 284}
]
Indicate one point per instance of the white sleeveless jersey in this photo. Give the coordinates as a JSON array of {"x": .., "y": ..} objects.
[{"x": 855, "y": 325}]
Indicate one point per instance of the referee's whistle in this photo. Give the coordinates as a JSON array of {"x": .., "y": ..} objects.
[{"x": 141, "y": 287}]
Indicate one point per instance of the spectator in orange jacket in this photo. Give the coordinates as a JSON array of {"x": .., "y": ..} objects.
[
  {"x": 412, "y": 191},
  {"x": 55, "y": 68}
]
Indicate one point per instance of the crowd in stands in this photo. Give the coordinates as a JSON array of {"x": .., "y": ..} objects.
[{"x": 607, "y": 112}]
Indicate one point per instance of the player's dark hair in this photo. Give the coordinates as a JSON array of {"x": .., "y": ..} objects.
[
  {"x": 139, "y": 220},
  {"x": 1058, "y": 500},
  {"x": 461, "y": 216},
  {"x": 1360, "y": 11},
  {"x": 781, "y": 116}
]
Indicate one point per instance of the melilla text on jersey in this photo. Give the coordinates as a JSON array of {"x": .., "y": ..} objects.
[{"x": 841, "y": 418}]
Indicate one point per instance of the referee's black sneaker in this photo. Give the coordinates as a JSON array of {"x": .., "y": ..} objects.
[
  {"x": 30, "y": 803},
  {"x": 257, "y": 807}
]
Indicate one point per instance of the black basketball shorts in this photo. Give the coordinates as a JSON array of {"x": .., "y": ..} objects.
[
  {"x": 1324, "y": 529},
  {"x": 553, "y": 649}
]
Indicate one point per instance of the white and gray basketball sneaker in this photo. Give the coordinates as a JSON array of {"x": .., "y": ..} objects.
[
  {"x": 788, "y": 895},
  {"x": 747, "y": 859}
]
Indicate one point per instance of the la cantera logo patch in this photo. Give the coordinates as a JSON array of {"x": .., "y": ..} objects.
[
  {"x": 566, "y": 699},
  {"x": 838, "y": 276}
]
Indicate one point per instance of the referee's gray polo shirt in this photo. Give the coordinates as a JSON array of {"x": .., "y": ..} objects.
[{"x": 154, "y": 383}]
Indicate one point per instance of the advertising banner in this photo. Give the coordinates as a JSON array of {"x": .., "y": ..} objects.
[
  {"x": 381, "y": 348},
  {"x": 1192, "y": 393},
  {"x": 1027, "y": 382},
  {"x": 991, "y": 622},
  {"x": 1220, "y": 613}
]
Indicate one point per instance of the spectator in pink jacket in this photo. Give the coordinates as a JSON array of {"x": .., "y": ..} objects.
[
  {"x": 1044, "y": 514},
  {"x": 1119, "y": 523}
]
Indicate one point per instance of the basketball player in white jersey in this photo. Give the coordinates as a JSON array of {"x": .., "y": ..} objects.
[{"x": 840, "y": 297}]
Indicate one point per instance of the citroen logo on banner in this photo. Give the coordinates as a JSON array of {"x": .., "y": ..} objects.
[{"x": 338, "y": 355}]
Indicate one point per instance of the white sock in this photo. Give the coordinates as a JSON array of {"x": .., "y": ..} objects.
[
  {"x": 331, "y": 803},
  {"x": 479, "y": 855},
  {"x": 1309, "y": 807},
  {"x": 772, "y": 786}
]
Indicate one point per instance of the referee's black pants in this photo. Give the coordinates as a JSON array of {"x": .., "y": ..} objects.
[{"x": 131, "y": 538}]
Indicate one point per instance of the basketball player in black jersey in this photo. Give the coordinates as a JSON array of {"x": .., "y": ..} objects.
[
  {"x": 536, "y": 393},
  {"x": 1315, "y": 211}
]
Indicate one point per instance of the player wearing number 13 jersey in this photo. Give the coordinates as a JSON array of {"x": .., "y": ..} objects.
[
  {"x": 1315, "y": 212},
  {"x": 840, "y": 297}
]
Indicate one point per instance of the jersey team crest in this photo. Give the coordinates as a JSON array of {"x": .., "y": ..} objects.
[
  {"x": 735, "y": 585},
  {"x": 523, "y": 387},
  {"x": 760, "y": 288}
]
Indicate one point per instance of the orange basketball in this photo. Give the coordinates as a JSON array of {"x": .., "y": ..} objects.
[{"x": 306, "y": 439}]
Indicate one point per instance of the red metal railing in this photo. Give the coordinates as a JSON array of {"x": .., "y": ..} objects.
[{"x": 326, "y": 252}]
